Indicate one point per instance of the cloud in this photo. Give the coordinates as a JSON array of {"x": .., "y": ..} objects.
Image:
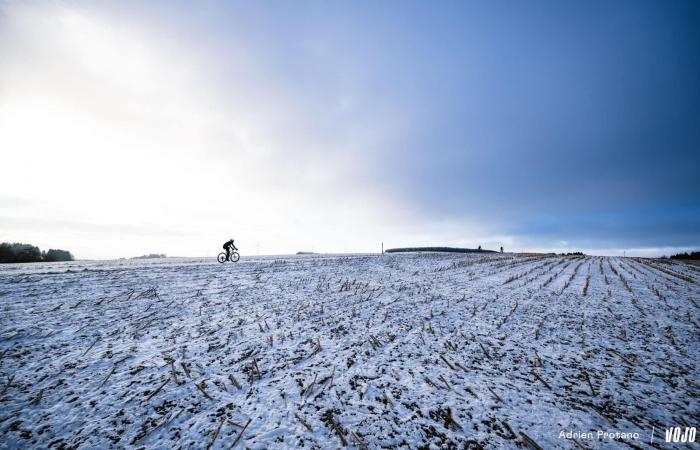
[
  {"x": 119, "y": 129},
  {"x": 338, "y": 126}
]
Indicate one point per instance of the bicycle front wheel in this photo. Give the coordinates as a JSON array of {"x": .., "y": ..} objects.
[
  {"x": 221, "y": 258},
  {"x": 235, "y": 256}
]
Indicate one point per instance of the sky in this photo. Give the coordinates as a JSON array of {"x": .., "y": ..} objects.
[{"x": 132, "y": 127}]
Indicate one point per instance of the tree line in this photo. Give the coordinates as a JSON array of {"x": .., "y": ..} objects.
[
  {"x": 691, "y": 255},
  {"x": 22, "y": 253},
  {"x": 438, "y": 249}
]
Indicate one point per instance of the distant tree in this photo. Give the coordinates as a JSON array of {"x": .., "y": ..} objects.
[
  {"x": 150, "y": 256},
  {"x": 57, "y": 255},
  {"x": 480, "y": 248},
  {"x": 501, "y": 249},
  {"x": 436, "y": 249},
  {"x": 691, "y": 255},
  {"x": 7, "y": 255},
  {"x": 23, "y": 253},
  {"x": 27, "y": 253}
]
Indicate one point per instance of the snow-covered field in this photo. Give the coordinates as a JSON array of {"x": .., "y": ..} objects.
[{"x": 393, "y": 351}]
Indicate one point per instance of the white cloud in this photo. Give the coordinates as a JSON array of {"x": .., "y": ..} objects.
[{"x": 107, "y": 128}]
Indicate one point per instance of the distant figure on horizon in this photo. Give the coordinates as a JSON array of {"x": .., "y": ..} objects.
[
  {"x": 480, "y": 248},
  {"x": 501, "y": 249},
  {"x": 228, "y": 246}
]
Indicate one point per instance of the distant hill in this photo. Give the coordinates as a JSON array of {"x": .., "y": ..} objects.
[
  {"x": 23, "y": 253},
  {"x": 439, "y": 249},
  {"x": 150, "y": 256},
  {"x": 307, "y": 253}
]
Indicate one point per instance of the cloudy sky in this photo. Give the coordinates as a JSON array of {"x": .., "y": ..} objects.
[{"x": 136, "y": 127}]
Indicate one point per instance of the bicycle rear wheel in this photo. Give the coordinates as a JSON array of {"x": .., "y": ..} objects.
[
  {"x": 221, "y": 258},
  {"x": 235, "y": 257}
]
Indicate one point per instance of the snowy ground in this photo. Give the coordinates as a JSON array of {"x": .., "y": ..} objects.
[{"x": 394, "y": 351}]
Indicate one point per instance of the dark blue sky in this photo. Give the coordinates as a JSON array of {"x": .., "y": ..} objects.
[{"x": 550, "y": 121}]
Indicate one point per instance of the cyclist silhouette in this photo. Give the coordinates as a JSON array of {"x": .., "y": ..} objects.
[{"x": 228, "y": 246}]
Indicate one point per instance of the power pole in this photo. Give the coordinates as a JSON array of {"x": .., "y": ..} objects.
[{"x": 382, "y": 248}]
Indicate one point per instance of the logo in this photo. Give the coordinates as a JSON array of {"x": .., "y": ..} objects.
[{"x": 678, "y": 434}]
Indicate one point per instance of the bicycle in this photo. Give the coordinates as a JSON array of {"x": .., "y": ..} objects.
[{"x": 234, "y": 256}]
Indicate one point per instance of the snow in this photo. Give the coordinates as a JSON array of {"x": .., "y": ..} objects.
[{"x": 327, "y": 351}]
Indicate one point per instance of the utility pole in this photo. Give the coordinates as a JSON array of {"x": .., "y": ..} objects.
[{"x": 382, "y": 248}]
